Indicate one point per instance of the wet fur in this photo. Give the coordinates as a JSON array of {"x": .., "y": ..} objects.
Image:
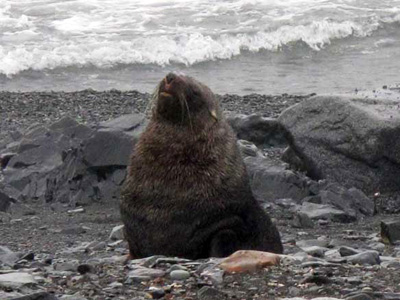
[{"x": 187, "y": 193}]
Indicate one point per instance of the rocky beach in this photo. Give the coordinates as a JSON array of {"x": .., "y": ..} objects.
[{"x": 63, "y": 158}]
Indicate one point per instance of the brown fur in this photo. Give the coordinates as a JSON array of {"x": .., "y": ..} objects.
[{"x": 187, "y": 192}]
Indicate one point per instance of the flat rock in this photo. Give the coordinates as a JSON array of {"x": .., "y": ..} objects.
[
  {"x": 16, "y": 280},
  {"x": 7, "y": 256},
  {"x": 365, "y": 258},
  {"x": 352, "y": 201},
  {"x": 210, "y": 293},
  {"x": 326, "y": 212},
  {"x": 37, "y": 296},
  {"x": 271, "y": 180},
  {"x": 127, "y": 122},
  {"x": 142, "y": 273}
]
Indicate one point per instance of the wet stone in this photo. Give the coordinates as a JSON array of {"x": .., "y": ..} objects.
[{"x": 179, "y": 275}]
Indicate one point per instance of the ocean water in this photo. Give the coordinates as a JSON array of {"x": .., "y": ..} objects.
[{"x": 234, "y": 46}]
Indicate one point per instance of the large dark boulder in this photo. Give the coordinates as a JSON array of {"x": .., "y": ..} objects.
[
  {"x": 70, "y": 162},
  {"x": 348, "y": 140}
]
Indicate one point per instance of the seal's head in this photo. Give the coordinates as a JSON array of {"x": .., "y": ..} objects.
[{"x": 182, "y": 100}]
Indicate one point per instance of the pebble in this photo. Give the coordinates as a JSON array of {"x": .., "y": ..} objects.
[
  {"x": 209, "y": 293},
  {"x": 179, "y": 275},
  {"x": 117, "y": 233},
  {"x": 139, "y": 274}
]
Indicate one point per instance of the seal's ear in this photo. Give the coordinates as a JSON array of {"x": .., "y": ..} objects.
[{"x": 213, "y": 114}]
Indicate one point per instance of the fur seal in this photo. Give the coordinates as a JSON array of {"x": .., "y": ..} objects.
[{"x": 187, "y": 192}]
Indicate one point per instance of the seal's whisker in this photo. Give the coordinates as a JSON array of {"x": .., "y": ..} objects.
[
  {"x": 188, "y": 111},
  {"x": 152, "y": 102}
]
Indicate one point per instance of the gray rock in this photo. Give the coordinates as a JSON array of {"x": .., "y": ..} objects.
[
  {"x": 68, "y": 266},
  {"x": 271, "y": 180},
  {"x": 392, "y": 263},
  {"x": 16, "y": 280},
  {"x": 210, "y": 293},
  {"x": 380, "y": 247},
  {"x": 352, "y": 201},
  {"x": 118, "y": 176},
  {"x": 75, "y": 230},
  {"x": 156, "y": 293},
  {"x": 312, "y": 243},
  {"x": 37, "y": 296},
  {"x": 289, "y": 156},
  {"x": 248, "y": 149},
  {"x": 10, "y": 295},
  {"x": 179, "y": 275},
  {"x": 128, "y": 122},
  {"x": 5, "y": 158},
  {"x": 302, "y": 220},
  {"x": 117, "y": 233},
  {"x": 349, "y": 140},
  {"x": 5, "y": 217},
  {"x": 326, "y": 212},
  {"x": 359, "y": 296},
  {"x": 108, "y": 149},
  {"x": 348, "y": 251},
  {"x": 258, "y": 130},
  {"x": 390, "y": 231},
  {"x": 7, "y": 256},
  {"x": 142, "y": 274},
  {"x": 315, "y": 251},
  {"x": 73, "y": 297},
  {"x": 365, "y": 258},
  {"x": 5, "y": 202}
]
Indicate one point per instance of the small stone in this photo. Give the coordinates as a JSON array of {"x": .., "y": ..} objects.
[
  {"x": 360, "y": 296},
  {"x": 37, "y": 296},
  {"x": 309, "y": 243},
  {"x": 347, "y": 251},
  {"x": 302, "y": 220},
  {"x": 209, "y": 293},
  {"x": 380, "y": 247},
  {"x": 156, "y": 293},
  {"x": 76, "y": 211},
  {"x": 117, "y": 233},
  {"x": 390, "y": 231},
  {"x": 84, "y": 268},
  {"x": 73, "y": 230},
  {"x": 365, "y": 258},
  {"x": 69, "y": 266},
  {"x": 179, "y": 275},
  {"x": 315, "y": 251},
  {"x": 139, "y": 274}
]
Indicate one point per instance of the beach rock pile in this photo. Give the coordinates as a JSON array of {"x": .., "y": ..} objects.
[
  {"x": 75, "y": 164},
  {"x": 69, "y": 162}
]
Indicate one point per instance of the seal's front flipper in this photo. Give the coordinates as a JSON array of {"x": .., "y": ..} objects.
[{"x": 223, "y": 244}]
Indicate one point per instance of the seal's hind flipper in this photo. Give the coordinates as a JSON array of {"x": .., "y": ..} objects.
[{"x": 224, "y": 243}]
